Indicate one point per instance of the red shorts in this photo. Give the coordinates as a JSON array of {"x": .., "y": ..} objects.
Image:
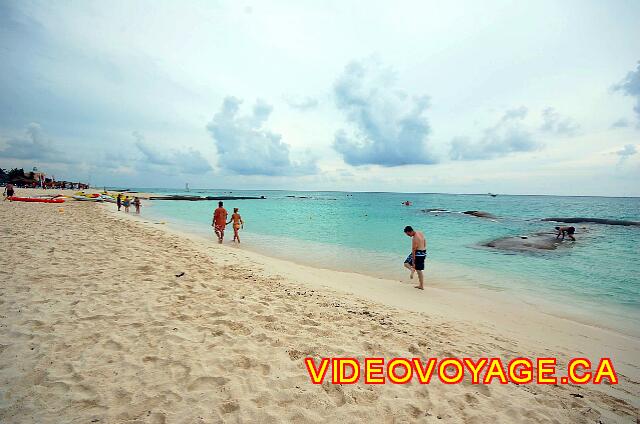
[{"x": 220, "y": 227}]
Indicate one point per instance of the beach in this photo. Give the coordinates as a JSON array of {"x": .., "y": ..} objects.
[{"x": 109, "y": 318}]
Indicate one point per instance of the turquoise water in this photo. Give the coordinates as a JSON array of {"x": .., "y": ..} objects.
[{"x": 362, "y": 232}]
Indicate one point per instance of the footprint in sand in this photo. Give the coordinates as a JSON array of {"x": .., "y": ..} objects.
[
  {"x": 59, "y": 388},
  {"x": 112, "y": 345},
  {"x": 230, "y": 406},
  {"x": 179, "y": 371},
  {"x": 335, "y": 392},
  {"x": 207, "y": 383}
]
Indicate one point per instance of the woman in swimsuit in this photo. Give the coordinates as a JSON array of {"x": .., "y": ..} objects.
[
  {"x": 237, "y": 224},
  {"x": 136, "y": 203}
]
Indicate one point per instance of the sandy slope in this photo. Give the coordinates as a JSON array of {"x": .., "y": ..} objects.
[{"x": 96, "y": 327}]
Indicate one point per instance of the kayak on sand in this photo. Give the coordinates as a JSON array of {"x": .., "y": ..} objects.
[
  {"x": 35, "y": 199},
  {"x": 89, "y": 199}
]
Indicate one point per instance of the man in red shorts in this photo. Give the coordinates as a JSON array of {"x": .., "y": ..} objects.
[{"x": 219, "y": 221}]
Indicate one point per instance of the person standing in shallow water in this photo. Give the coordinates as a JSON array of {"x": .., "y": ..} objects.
[
  {"x": 415, "y": 260},
  {"x": 237, "y": 224},
  {"x": 219, "y": 221},
  {"x": 119, "y": 201},
  {"x": 136, "y": 203}
]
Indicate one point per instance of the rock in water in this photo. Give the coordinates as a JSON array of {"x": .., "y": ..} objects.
[
  {"x": 594, "y": 221},
  {"x": 480, "y": 214},
  {"x": 529, "y": 243}
]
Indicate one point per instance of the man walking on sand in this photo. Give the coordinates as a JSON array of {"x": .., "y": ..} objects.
[
  {"x": 415, "y": 260},
  {"x": 219, "y": 221},
  {"x": 8, "y": 191}
]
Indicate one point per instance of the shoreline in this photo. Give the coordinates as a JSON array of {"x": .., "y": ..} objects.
[
  {"x": 471, "y": 305},
  {"x": 514, "y": 297},
  {"x": 207, "y": 343},
  {"x": 480, "y": 305}
]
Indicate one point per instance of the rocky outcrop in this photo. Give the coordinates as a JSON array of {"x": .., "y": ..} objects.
[
  {"x": 480, "y": 214},
  {"x": 530, "y": 243},
  {"x": 594, "y": 221}
]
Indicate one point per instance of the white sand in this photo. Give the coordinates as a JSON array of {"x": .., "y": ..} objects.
[{"x": 95, "y": 325}]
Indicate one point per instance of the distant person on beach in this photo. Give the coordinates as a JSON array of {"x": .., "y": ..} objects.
[
  {"x": 568, "y": 231},
  {"x": 126, "y": 203},
  {"x": 415, "y": 260},
  {"x": 219, "y": 221},
  {"x": 119, "y": 201},
  {"x": 237, "y": 224},
  {"x": 8, "y": 191},
  {"x": 136, "y": 203}
]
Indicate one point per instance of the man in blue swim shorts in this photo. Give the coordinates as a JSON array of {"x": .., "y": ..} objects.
[{"x": 415, "y": 260}]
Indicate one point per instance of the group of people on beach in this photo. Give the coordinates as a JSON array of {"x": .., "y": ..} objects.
[
  {"x": 414, "y": 262},
  {"x": 125, "y": 201},
  {"x": 219, "y": 222}
]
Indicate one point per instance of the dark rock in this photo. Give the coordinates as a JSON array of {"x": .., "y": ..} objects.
[
  {"x": 480, "y": 214},
  {"x": 529, "y": 243},
  {"x": 594, "y": 221}
]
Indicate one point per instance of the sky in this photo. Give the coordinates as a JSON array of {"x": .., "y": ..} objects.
[{"x": 410, "y": 96}]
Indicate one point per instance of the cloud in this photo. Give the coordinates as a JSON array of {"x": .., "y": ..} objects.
[
  {"x": 627, "y": 151},
  {"x": 554, "y": 123},
  {"x": 189, "y": 161},
  {"x": 302, "y": 103},
  {"x": 388, "y": 126},
  {"x": 34, "y": 145},
  {"x": 246, "y": 147},
  {"x": 509, "y": 135},
  {"x": 620, "y": 123},
  {"x": 630, "y": 86}
]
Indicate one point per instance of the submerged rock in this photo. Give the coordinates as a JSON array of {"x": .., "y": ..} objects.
[
  {"x": 594, "y": 221},
  {"x": 480, "y": 214},
  {"x": 434, "y": 210},
  {"x": 529, "y": 243}
]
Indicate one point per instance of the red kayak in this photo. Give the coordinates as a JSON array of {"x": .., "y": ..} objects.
[{"x": 35, "y": 199}]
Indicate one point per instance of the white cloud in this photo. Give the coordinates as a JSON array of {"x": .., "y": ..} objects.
[
  {"x": 35, "y": 146},
  {"x": 245, "y": 146},
  {"x": 389, "y": 126},
  {"x": 188, "y": 161},
  {"x": 627, "y": 151},
  {"x": 508, "y": 135},
  {"x": 630, "y": 86},
  {"x": 621, "y": 123},
  {"x": 554, "y": 123},
  {"x": 302, "y": 103}
]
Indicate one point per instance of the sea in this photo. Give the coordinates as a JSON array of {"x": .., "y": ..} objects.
[{"x": 596, "y": 278}]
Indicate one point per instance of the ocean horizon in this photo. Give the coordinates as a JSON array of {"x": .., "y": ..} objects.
[{"x": 200, "y": 190}]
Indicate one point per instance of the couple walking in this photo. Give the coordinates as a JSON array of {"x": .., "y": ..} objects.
[{"x": 220, "y": 222}]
